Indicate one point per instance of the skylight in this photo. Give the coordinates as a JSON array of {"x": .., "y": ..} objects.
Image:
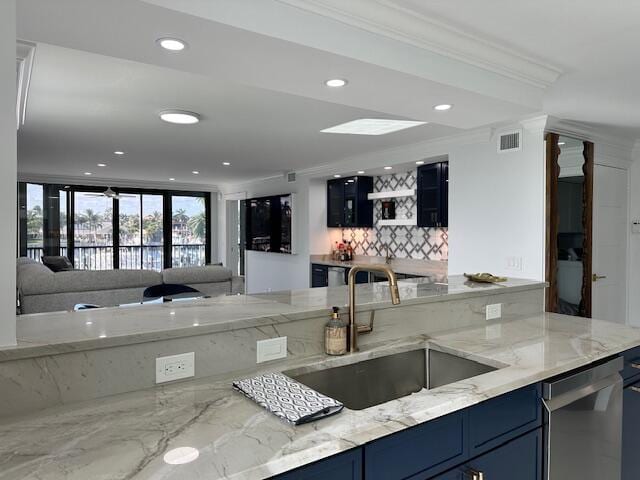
[{"x": 372, "y": 126}]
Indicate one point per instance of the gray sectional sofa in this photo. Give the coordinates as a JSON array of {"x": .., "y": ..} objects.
[{"x": 42, "y": 290}]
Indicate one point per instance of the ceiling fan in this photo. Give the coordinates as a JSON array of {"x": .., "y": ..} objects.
[{"x": 109, "y": 193}]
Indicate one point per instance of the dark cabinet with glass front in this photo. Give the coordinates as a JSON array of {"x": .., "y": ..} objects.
[
  {"x": 347, "y": 202},
  {"x": 433, "y": 195},
  {"x": 268, "y": 226}
]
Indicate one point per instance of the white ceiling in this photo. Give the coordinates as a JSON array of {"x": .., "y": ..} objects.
[
  {"x": 594, "y": 42},
  {"x": 255, "y": 72},
  {"x": 83, "y": 107}
]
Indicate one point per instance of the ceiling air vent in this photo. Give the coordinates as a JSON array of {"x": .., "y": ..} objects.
[
  {"x": 510, "y": 141},
  {"x": 291, "y": 177}
]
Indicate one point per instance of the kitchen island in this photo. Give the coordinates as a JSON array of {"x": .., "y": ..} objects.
[{"x": 128, "y": 435}]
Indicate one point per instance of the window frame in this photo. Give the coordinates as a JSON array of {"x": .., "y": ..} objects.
[{"x": 51, "y": 218}]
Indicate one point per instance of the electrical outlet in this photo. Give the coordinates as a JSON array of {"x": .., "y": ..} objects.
[
  {"x": 514, "y": 263},
  {"x": 175, "y": 367},
  {"x": 493, "y": 311},
  {"x": 271, "y": 349}
]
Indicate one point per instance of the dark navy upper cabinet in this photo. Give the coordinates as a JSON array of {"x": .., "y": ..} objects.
[
  {"x": 347, "y": 202},
  {"x": 631, "y": 432},
  {"x": 433, "y": 195},
  {"x": 345, "y": 466}
]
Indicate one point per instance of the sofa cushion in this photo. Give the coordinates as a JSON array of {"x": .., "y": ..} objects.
[
  {"x": 86, "y": 280},
  {"x": 24, "y": 261},
  {"x": 194, "y": 275},
  {"x": 57, "y": 263}
]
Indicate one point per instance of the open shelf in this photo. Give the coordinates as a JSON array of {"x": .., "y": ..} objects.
[
  {"x": 411, "y": 222},
  {"x": 391, "y": 194}
]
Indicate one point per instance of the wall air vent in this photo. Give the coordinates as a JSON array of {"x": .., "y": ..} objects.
[
  {"x": 510, "y": 141},
  {"x": 291, "y": 177}
]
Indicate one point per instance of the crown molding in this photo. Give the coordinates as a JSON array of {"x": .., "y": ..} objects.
[
  {"x": 25, "y": 52},
  {"x": 388, "y": 19},
  {"x": 110, "y": 182}
]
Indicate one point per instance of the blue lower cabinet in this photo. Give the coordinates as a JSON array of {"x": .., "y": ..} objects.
[
  {"x": 345, "y": 466},
  {"x": 631, "y": 433},
  {"x": 418, "y": 452},
  {"x": 495, "y": 421},
  {"x": 520, "y": 459}
]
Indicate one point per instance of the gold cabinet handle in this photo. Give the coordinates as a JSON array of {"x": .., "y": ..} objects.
[
  {"x": 475, "y": 475},
  {"x": 596, "y": 277}
]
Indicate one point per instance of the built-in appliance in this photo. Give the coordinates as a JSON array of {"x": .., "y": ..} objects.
[
  {"x": 336, "y": 276},
  {"x": 583, "y": 428},
  {"x": 268, "y": 224}
]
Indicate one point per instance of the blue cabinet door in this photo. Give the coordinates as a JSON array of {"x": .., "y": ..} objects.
[
  {"x": 521, "y": 458},
  {"x": 631, "y": 433},
  {"x": 346, "y": 466}
]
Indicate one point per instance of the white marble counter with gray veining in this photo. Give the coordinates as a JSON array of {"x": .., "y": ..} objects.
[
  {"x": 127, "y": 436},
  {"x": 62, "y": 332},
  {"x": 436, "y": 269}
]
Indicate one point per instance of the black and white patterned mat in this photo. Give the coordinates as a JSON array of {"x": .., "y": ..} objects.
[{"x": 287, "y": 398}]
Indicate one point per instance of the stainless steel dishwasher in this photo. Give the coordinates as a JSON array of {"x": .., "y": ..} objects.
[{"x": 583, "y": 430}]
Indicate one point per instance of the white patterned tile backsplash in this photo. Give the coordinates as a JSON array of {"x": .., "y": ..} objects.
[{"x": 403, "y": 241}]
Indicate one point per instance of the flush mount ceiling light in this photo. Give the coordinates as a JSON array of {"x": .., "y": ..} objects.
[
  {"x": 196, "y": 172},
  {"x": 420, "y": 162},
  {"x": 88, "y": 173},
  {"x": 102, "y": 164},
  {"x": 335, "y": 82},
  {"x": 443, "y": 107},
  {"x": 360, "y": 172},
  {"x": 118, "y": 152},
  {"x": 179, "y": 117},
  {"x": 337, "y": 175},
  {"x": 172, "y": 179},
  {"x": 226, "y": 164},
  {"x": 388, "y": 168},
  {"x": 172, "y": 44},
  {"x": 372, "y": 126}
]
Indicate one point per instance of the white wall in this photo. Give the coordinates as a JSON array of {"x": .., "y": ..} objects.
[
  {"x": 496, "y": 207},
  {"x": 8, "y": 167},
  {"x": 634, "y": 241}
]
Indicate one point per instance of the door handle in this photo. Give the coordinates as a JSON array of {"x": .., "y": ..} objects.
[{"x": 596, "y": 277}]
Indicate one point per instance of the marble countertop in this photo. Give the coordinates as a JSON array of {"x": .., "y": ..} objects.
[
  {"x": 61, "y": 332},
  {"x": 434, "y": 268},
  {"x": 127, "y": 436}
]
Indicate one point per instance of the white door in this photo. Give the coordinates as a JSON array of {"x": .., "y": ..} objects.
[
  {"x": 609, "y": 244},
  {"x": 233, "y": 219}
]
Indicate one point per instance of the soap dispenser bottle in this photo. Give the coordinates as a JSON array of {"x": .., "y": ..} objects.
[{"x": 335, "y": 334}]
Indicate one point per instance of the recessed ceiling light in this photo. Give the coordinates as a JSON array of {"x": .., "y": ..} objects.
[
  {"x": 118, "y": 152},
  {"x": 102, "y": 336},
  {"x": 102, "y": 164},
  {"x": 180, "y": 117},
  {"x": 226, "y": 164},
  {"x": 443, "y": 107},
  {"x": 336, "y": 82},
  {"x": 89, "y": 323},
  {"x": 561, "y": 143},
  {"x": 196, "y": 324},
  {"x": 88, "y": 173},
  {"x": 388, "y": 168},
  {"x": 420, "y": 162},
  {"x": 181, "y": 455},
  {"x": 172, "y": 179},
  {"x": 196, "y": 172},
  {"x": 172, "y": 44},
  {"x": 337, "y": 175},
  {"x": 360, "y": 172},
  {"x": 372, "y": 126}
]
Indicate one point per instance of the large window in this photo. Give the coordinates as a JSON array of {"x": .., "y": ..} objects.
[
  {"x": 92, "y": 231},
  {"x": 188, "y": 231},
  {"x": 141, "y": 236},
  {"x": 35, "y": 221}
]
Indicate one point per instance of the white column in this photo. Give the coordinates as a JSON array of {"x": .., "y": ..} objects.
[{"x": 8, "y": 172}]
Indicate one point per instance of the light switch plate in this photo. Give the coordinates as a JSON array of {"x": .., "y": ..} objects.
[
  {"x": 175, "y": 367},
  {"x": 514, "y": 263},
  {"x": 271, "y": 349},
  {"x": 493, "y": 311}
]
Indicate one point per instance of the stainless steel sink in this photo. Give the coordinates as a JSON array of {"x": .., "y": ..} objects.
[{"x": 372, "y": 382}]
